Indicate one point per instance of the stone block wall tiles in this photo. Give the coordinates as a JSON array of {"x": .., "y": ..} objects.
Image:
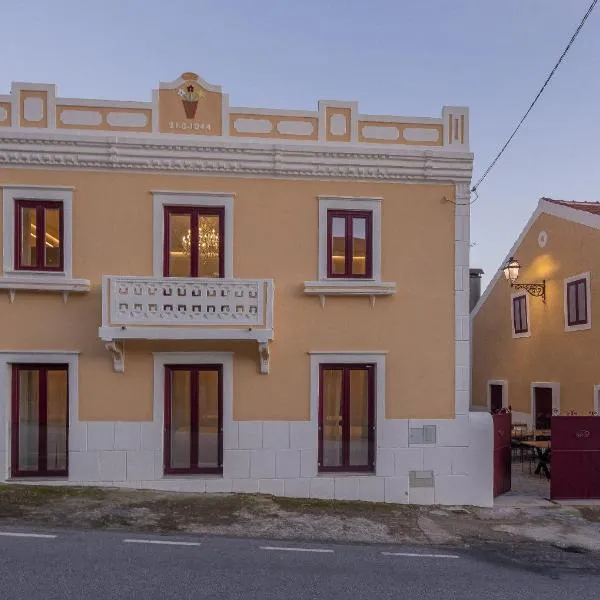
[
  {"x": 455, "y": 432},
  {"x": 128, "y": 435},
  {"x": 303, "y": 435},
  {"x": 236, "y": 464},
  {"x": 262, "y": 464},
  {"x": 459, "y": 458},
  {"x": 100, "y": 435},
  {"x": 250, "y": 435},
  {"x": 77, "y": 437},
  {"x": 322, "y": 487},
  {"x": 244, "y": 486},
  {"x": 438, "y": 460},
  {"x": 425, "y": 496},
  {"x": 453, "y": 489},
  {"x": 462, "y": 402},
  {"x": 152, "y": 435},
  {"x": 308, "y": 463},
  {"x": 408, "y": 459},
  {"x": 141, "y": 466},
  {"x": 273, "y": 487},
  {"x": 231, "y": 436},
  {"x": 396, "y": 490},
  {"x": 287, "y": 464},
  {"x": 113, "y": 465},
  {"x": 480, "y": 461},
  {"x": 3, "y": 465},
  {"x": 392, "y": 433},
  {"x": 345, "y": 488},
  {"x": 296, "y": 488},
  {"x": 218, "y": 485},
  {"x": 159, "y": 464},
  {"x": 84, "y": 466},
  {"x": 276, "y": 435},
  {"x": 385, "y": 464},
  {"x": 371, "y": 489}
]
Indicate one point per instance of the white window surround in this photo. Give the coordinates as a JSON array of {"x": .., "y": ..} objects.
[
  {"x": 504, "y": 384},
  {"x": 373, "y": 357},
  {"x": 512, "y": 315},
  {"x": 164, "y": 198},
  {"x": 554, "y": 386},
  {"x": 352, "y": 286},
  {"x": 162, "y": 359},
  {"x": 596, "y": 403},
  {"x": 7, "y": 359},
  {"x": 13, "y": 280},
  {"x": 587, "y": 325}
]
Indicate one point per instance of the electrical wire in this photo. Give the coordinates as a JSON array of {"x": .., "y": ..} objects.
[{"x": 533, "y": 103}]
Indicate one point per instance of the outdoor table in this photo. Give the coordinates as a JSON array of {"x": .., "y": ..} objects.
[{"x": 542, "y": 450}]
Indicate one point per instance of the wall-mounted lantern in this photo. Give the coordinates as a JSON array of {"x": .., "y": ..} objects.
[{"x": 511, "y": 272}]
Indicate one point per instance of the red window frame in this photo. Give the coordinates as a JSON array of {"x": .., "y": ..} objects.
[
  {"x": 195, "y": 212},
  {"x": 194, "y": 450},
  {"x": 348, "y": 216},
  {"x": 40, "y": 223},
  {"x": 42, "y": 421},
  {"x": 520, "y": 324},
  {"x": 580, "y": 286},
  {"x": 345, "y": 416}
]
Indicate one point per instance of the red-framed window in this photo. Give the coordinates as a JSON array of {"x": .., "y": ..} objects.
[
  {"x": 520, "y": 324},
  {"x": 349, "y": 244},
  {"x": 39, "y": 235},
  {"x": 346, "y": 417},
  {"x": 193, "y": 419},
  {"x": 40, "y": 420},
  {"x": 577, "y": 308},
  {"x": 194, "y": 241}
]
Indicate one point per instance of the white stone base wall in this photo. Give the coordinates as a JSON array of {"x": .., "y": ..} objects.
[{"x": 280, "y": 458}]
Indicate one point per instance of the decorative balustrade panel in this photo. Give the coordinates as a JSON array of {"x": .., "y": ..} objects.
[{"x": 180, "y": 302}]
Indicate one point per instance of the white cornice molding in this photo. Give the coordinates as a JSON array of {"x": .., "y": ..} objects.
[{"x": 174, "y": 154}]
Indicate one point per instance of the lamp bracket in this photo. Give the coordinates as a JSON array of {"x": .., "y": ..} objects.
[{"x": 535, "y": 289}]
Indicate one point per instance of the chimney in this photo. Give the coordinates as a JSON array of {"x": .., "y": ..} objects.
[{"x": 474, "y": 287}]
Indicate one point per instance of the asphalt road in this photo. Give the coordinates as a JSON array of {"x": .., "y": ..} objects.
[{"x": 103, "y": 565}]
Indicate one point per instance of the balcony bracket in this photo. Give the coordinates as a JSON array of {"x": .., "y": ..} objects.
[
  {"x": 117, "y": 350},
  {"x": 264, "y": 354}
]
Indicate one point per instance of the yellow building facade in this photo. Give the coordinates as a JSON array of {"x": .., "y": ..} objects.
[
  {"x": 207, "y": 298},
  {"x": 537, "y": 354}
]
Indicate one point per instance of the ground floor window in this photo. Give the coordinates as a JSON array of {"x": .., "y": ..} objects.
[
  {"x": 193, "y": 419},
  {"x": 40, "y": 421},
  {"x": 347, "y": 417}
]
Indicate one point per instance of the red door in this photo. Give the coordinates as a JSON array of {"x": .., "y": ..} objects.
[
  {"x": 502, "y": 463},
  {"x": 495, "y": 397},
  {"x": 543, "y": 407}
]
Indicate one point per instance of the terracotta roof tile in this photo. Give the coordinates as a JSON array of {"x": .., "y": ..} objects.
[{"x": 591, "y": 207}]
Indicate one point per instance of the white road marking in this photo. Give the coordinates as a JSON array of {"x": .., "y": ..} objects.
[
  {"x": 420, "y": 555},
  {"x": 28, "y": 535},
  {"x": 288, "y": 549},
  {"x": 161, "y": 542}
]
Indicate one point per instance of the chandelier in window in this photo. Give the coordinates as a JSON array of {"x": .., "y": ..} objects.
[{"x": 208, "y": 240}]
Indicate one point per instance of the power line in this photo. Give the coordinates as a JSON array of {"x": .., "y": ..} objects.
[{"x": 512, "y": 135}]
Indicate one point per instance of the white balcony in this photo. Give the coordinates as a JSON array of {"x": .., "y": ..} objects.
[{"x": 173, "y": 308}]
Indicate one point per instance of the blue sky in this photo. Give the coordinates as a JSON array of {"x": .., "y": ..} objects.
[{"x": 393, "y": 56}]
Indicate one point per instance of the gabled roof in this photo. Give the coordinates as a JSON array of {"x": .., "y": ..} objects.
[{"x": 584, "y": 213}]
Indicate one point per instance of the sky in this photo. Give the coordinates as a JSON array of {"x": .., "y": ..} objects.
[{"x": 399, "y": 57}]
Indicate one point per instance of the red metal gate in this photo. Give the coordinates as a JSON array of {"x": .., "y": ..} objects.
[
  {"x": 575, "y": 458},
  {"x": 502, "y": 460}
]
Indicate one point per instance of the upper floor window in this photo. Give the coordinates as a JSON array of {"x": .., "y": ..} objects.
[
  {"x": 39, "y": 235},
  {"x": 519, "y": 314},
  {"x": 349, "y": 243},
  {"x": 194, "y": 241},
  {"x": 577, "y": 302}
]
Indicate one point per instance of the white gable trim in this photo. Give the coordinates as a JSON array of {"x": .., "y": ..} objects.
[{"x": 544, "y": 207}]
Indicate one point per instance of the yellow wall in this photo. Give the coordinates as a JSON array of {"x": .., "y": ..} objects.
[
  {"x": 550, "y": 354},
  {"x": 275, "y": 229}
]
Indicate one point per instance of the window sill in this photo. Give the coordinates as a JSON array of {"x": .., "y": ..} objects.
[
  {"x": 350, "y": 287},
  {"x": 42, "y": 282},
  {"x": 580, "y": 327}
]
